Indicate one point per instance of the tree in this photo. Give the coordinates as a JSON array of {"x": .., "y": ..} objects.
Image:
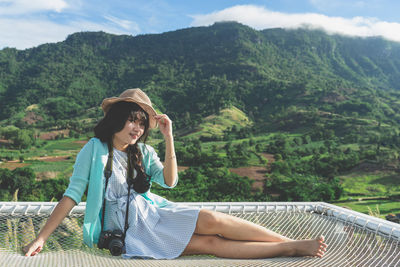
[
  {"x": 23, "y": 139},
  {"x": 20, "y": 138},
  {"x": 61, "y": 107},
  {"x": 298, "y": 187},
  {"x": 22, "y": 179},
  {"x": 9, "y": 131}
]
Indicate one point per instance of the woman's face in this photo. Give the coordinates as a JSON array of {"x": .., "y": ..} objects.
[{"x": 129, "y": 135}]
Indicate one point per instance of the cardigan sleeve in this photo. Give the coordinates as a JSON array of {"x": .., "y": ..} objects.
[
  {"x": 80, "y": 176},
  {"x": 156, "y": 168}
]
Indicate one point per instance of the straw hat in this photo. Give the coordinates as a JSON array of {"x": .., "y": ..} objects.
[{"x": 136, "y": 96}]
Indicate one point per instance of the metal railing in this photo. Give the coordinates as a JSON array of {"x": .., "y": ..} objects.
[{"x": 354, "y": 239}]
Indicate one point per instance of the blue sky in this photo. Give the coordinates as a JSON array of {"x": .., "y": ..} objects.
[{"x": 29, "y": 23}]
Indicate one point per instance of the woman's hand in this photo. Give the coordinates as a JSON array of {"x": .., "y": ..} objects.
[
  {"x": 33, "y": 248},
  {"x": 59, "y": 213},
  {"x": 170, "y": 166},
  {"x": 165, "y": 124}
]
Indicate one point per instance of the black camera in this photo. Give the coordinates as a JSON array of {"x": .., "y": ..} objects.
[{"x": 112, "y": 240}]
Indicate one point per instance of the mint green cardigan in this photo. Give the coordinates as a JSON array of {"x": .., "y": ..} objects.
[{"x": 89, "y": 170}]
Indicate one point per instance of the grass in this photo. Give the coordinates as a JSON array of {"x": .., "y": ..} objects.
[
  {"x": 58, "y": 166},
  {"x": 367, "y": 184},
  {"x": 254, "y": 160},
  {"x": 355, "y": 147},
  {"x": 215, "y": 125},
  {"x": 63, "y": 147},
  {"x": 207, "y": 146},
  {"x": 377, "y": 207},
  {"x": 64, "y": 144}
]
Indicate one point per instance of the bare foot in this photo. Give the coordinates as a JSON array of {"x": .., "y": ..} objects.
[{"x": 309, "y": 247}]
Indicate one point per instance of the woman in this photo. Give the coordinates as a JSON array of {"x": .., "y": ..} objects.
[{"x": 155, "y": 228}]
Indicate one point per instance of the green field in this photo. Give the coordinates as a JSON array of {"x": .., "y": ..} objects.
[
  {"x": 366, "y": 184},
  {"x": 360, "y": 184},
  {"x": 214, "y": 126},
  {"x": 377, "y": 208},
  {"x": 66, "y": 144},
  {"x": 56, "y": 157},
  {"x": 62, "y": 168}
]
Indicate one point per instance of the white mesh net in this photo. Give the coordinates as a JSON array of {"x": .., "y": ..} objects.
[{"x": 354, "y": 239}]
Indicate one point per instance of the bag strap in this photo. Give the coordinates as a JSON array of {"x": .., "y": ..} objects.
[{"x": 107, "y": 174}]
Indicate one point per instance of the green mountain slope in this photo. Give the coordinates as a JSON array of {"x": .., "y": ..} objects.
[
  {"x": 215, "y": 126},
  {"x": 200, "y": 70},
  {"x": 316, "y": 113}
]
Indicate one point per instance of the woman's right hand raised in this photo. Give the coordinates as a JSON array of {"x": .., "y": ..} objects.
[{"x": 34, "y": 247}]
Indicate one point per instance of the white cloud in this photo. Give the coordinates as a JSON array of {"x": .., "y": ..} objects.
[
  {"x": 28, "y": 33},
  {"x": 21, "y": 7},
  {"x": 125, "y": 24},
  {"x": 262, "y": 18},
  {"x": 33, "y": 23}
]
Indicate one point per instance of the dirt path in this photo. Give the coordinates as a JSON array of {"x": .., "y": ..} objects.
[
  {"x": 256, "y": 173},
  {"x": 12, "y": 165},
  {"x": 51, "y": 158},
  {"x": 83, "y": 142},
  {"x": 253, "y": 172},
  {"x": 53, "y": 134}
]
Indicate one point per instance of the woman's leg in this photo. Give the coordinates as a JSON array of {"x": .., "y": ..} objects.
[
  {"x": 225, "y": 248},
  {"x": 231, "y": 227}
]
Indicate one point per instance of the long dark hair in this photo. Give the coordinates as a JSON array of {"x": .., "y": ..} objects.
[{"x": 113, "y": 122}]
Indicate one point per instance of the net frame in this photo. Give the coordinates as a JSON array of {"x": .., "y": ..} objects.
[{"x": 355, "y": 239}]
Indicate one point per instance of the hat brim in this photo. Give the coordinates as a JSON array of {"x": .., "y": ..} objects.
[{"x": 108, "y": 102}]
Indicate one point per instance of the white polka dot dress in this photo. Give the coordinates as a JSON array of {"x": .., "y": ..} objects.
[{"x": 154, "y": 231}]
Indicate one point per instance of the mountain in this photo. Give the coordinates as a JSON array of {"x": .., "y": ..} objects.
[
  {"x": 193, "y": 73},
  {"x": 309, "y": 111}
]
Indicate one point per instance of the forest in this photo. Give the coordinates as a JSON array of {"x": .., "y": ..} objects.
[{"x": 316, "y": 112}]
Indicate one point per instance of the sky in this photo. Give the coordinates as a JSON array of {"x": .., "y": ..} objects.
[{"x": 29, "y": 23}]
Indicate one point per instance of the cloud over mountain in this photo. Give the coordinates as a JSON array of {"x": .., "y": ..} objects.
[{"x": 260, "y": 17}]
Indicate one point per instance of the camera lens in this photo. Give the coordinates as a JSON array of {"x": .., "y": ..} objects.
[{"x": 115, "y": 247}]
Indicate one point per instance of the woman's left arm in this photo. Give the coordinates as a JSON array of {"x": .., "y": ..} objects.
[{"x": 170, "y": 166}]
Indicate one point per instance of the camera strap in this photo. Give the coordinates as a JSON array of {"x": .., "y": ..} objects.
[{"x": 107, "y": 175}]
